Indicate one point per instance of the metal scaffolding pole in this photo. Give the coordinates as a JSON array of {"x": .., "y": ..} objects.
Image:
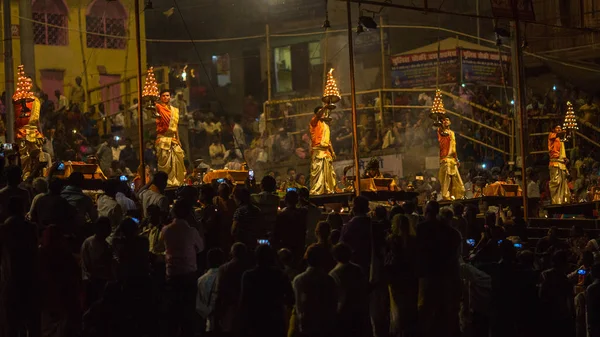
[
  {"x": 138, "y": 46},
  {"x": 353, "y": 96},
  {"x": 9, "y": 77}
]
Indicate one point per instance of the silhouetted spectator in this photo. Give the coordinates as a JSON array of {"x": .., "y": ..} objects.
[
  {"x": 313, "y": 214},
  {"x": 357, "y": 233},
  {"x": 556, "y": 296},
  {"x": 315, "y": 292},
  {"x": 12, "y": 189},
  {"x": 246, "y": 219},
  {"x": 352, "y": 294},
  {"x": 592, "y": 295},
  {"x": 96, "y": 261},
  {"x": 439, "y": 277},
  {"x": 400, "y": 267},
  {"x": 182, "y": 245},
  {"x": 226, "y": 208},
  {"x": 19, "y": 286},
  {"x": 229, "y": 282},
  {"x": 83, "y": 204},
  {"x": 60, "y": 285},
  {"x": 206, "y": 294},
  {"x": 154, "y": 194},
  {"x": 131, "y": 253},
  {"x": 290, "y": 229},
  {"x": 52, "y": 209},
  {"x": 286, "y": 259},
  {"x": 268, "y": 203},
  {"x": 40, "y": 187},
  {"x": 108, "y": 206},
  {"x": 548, "y": 245},
  {"x": 265, "y": 294}
]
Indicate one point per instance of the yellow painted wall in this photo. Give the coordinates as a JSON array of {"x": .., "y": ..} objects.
[{"x": 70, "y": 59}]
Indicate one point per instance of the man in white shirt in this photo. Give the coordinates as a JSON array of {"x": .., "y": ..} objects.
[
  {"x": 109, "y": 207},
  {"x": 63, "y": 102},
  {"x": 182, "y": 245},
  {"x": 118, "y": 121},
  {"x": 154, "y": 194},
  {"x": 238, "y": 134},
  {"x": 96, "y": 261},
  {"x": 425, "y": 99},
  {"x": 116, "y": 148},
  {"x": 205, "y": 297},
  {"x": 133, "y": 110},
  {"x": 185, "y": 121},
  {"x": 127, "y": 205}
]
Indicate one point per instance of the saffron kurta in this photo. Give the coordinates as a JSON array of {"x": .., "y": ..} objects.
[
  {"x": 322, "y": 175},
  {"x": 168, "y": 149},
  {"x": 28, "y": 135},
  {"x": 559, "y": 188},
  {"x": 450, "y": 180}
]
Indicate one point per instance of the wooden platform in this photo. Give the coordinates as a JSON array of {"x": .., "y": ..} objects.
[
  {"x": 490, "y": 200},
  {"x": 588, "y": 210}
]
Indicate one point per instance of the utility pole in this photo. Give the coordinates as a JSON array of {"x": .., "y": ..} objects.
[
  {"x": 26, "y": 35},
  {"x": 478, "y": 23},
  {"x": 519, "y": 95},
  {"x": 138, "y": 46},
  {"x": 353, "y": 96},
  {"x": 9, "y": 77}
]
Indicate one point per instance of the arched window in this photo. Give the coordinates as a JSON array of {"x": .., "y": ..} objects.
[
  {"x": 105, "y": 22},
  {"x": 50, "y": 22}
]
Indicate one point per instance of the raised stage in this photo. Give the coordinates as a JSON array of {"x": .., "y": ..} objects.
[{"x": 588, "y": 210}]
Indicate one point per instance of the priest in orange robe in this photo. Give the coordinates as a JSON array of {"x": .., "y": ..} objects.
[
  {"x": 559, "y": 182},
  {"x": 322, "y": 175},
  {"x": 168, "y": 148},
  {"x": 450, "y": 180},
  {"x": 28, "y": 135}
]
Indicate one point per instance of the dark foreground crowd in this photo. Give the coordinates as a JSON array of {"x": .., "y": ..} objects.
[{"x": 223, "y": 261}]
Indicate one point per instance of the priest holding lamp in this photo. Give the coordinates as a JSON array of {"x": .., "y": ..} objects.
[
  {"x": 559, "y": 188},
  {"x": 451, "y": 183},
  {"x": 559, "y": 182},
  {"x": 168, "y": 148},
  {"x": 322, "y": 175}
]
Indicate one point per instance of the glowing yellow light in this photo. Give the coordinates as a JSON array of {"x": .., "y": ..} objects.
[
  {"x": 570, "y": 123},
  {"x": 438, "y": 104},
  {"x": 24, "y": 84},
  {"x": 331, "y": 94},
  {"x": 150, "y": 86}
]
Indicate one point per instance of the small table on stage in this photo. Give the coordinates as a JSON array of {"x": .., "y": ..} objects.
[
  {"x": 502, "y": 190},
  {"x": 231, "y": 175},
  {"x": 89, "y": 171}
]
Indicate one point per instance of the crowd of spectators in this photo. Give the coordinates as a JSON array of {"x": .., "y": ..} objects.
[{"x": 233, "y": 260}]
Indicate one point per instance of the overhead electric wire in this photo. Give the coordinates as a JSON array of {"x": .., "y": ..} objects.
[{"x": 208, "y": 77}]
